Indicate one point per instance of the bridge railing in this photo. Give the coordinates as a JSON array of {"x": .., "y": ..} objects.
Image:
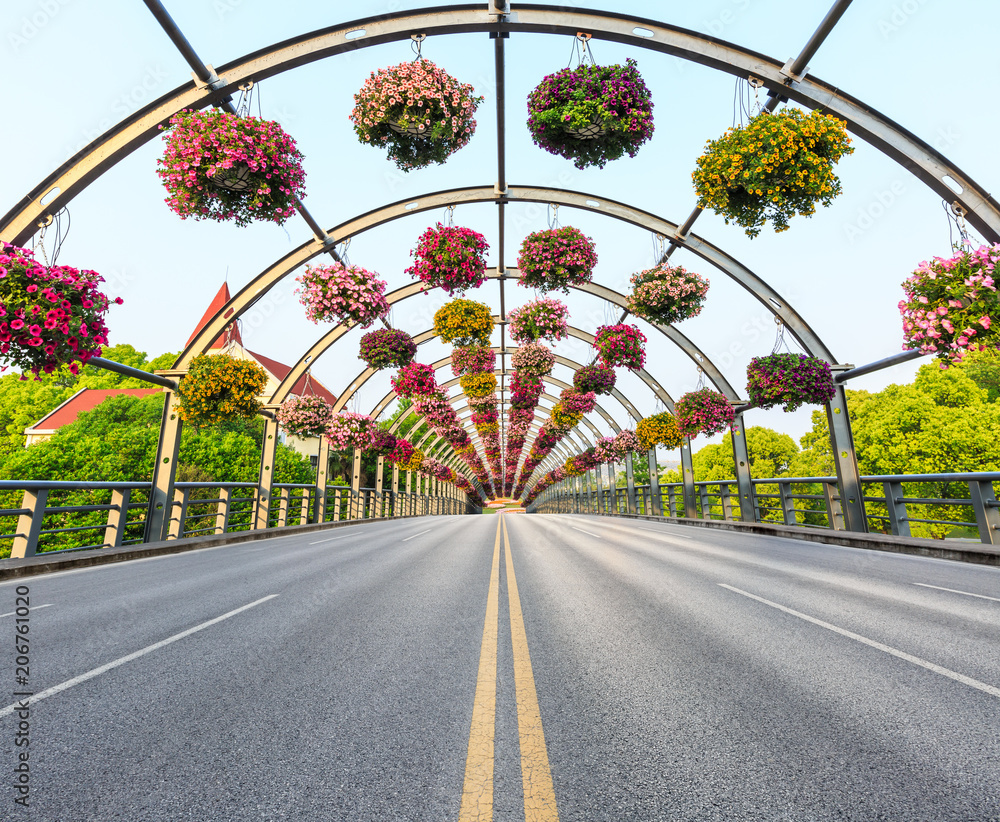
[
  {"x": 920, "y": 505},
  {"x": 37, "y": 517}
]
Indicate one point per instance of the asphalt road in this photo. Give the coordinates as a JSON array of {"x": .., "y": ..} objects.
[{"x": 399, "y": 671}]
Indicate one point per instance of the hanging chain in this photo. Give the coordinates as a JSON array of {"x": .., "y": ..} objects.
[
  {"x": 581, "y": 52},
  {"x": 659, "y": 248},
  {"x": 39, "y": 243},
  {"x": 246, "y": 99},
  {"x": 341, "y": 253},
  {"x": 417, "y": 45},
  {"x": 779, "y": 337},
  {"x": 701, "y": 379},
  {"x": 552, "y": 214},
  {"x": 956, "y": 221},
  {"x": 449, "y": 216}
]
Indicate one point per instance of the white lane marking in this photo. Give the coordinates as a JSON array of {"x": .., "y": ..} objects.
[
  {"x": 923, "y": 663},
  {"x": 663, "y": 533},
  {"x": 952, "y": 590},
  {"x": 331, "y": 539},
  {"x": 69, "y": 683},
  {"x": 34, "y": 608},
  {"x": 585, "y": 532},
  {"x": 417, "y": 535}
]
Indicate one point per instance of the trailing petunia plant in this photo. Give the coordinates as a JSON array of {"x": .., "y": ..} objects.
[
  {"x": 626, "y": 441},
  {"x": 776, "y": 166},
  {"x": 542, "y": 319},
  {"x": 667, "y": 294},
  {"x": 387, "y": 348},
  {"x": 597, "y": 378},
  {"x": 219, "y": 387},
  {"x": 533, "y": 360},
  {"x": 49, "y": 315},
  {"x": 418, "y": 111},
  {"x": 621, "y": 344},
  {"x": 951, "y": 305},
  {"x": 591, "y": 114},
  {"x": 220, "y": 166},
  {"x": 347, "y": 431},
  {"x": 450, "y": 257},
  {"x": 556, "y": 258},
  {"x": 659, "y": 429},
  {"x": 703, "y": 412},
  {"x": 415, "y": 380},
  {"x": 791, "y": 380},
  {"x": 473, "y": 359},
  {"x": 382, "y": 443},
  {"x": 339, "y": 293},
  {"x": 464, "y": 322},
  {"x": 305, "y": 416}
]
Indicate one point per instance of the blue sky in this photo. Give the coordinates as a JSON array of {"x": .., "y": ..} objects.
[{"x": 74, "y": 69}]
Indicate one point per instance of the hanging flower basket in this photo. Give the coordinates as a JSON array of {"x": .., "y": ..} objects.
[
  {"x": 778, "y": 165},
  {"x": 473, "y": 359},
  {"x": 591, "y": 114},
  {"x": 387, "y": 348},
  {"x": 703, "y": 412},
  {"x": 49, "y": 315},
  {"x": 951, "y": 305},
  {"x": 219, "y": 387},
  {"x": 563, "y": 420},
  {"x": 626, "y": 442},
  {"x": 667, "y": 294},
  {"x": 596, "y": 378},
  {"x": 621, "y": 344},
  {"x": 418, "y": 111},
  {"x": 464, "y": 322},
  {"x": 413, "y": 380},
  {"x": 401, "y": 453},
  {"x": 556, "y": 259},
  {"x": 524, "y": 392},
  {"x": 220, "y": 166},
  {"x": 533, "y": 360},
  {"x": 347, "y": 431},
  {"x": 479, "y": 385},
  {"x": 337, "y": 293},
  {"x": 414, "y": 462},
  {"x": 382, "y": 443},
  {"x": 305, "y": 416},
  {"x": 450, "y": 257},
  {"x": 659, "y": 429},
  {"x": 790, "y": 380},
  {"x": 543, "y": 319},
  {"x": 572, "y": 400},
  {"x": 605, "y": 450}
]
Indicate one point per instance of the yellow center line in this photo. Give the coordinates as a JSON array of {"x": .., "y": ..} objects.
[
  {"x": 477, "y": 792},
  {"x": 539, "y": 794}
]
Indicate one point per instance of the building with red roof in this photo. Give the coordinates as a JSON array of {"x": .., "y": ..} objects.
[{"x": 86, "y": 399}]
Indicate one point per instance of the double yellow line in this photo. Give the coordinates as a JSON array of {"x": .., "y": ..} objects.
[{"x": 477, "y": 792}]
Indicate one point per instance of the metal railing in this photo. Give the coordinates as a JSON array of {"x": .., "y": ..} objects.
[
  {"x": 962, "y": 505},
  {"x": 74, "y": 516}
]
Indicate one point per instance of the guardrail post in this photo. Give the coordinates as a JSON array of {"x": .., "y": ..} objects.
[
  {"x": 379, "y": 471},
  {"x": 265, "y": 480},
  {"x": 630, "y": 483},
  {"x": 353, "y": 512},
  {"x": 655, "y": 494},
  {"x": 114, "y": 531},
  {"x": 846, "y": 461},
  {"x": 706, "y": 502},
  {"x": 29, "y": 525},
  {"x": 834, "y": 513},
  {"x": 161, "y": 493},
  {"x": 726, "y": 500},
  {"x": 306, "y": 500},
  {"x": 787, "y": 503},
  {"x": 395, "y": 491},
  {"x": 336, "y": 505},
  {"x": 613, "y": 487},
  {"x": 601, "y": 505},
  {"x": 222, "y": 511},
  {"x": 282, "y": 507},
  {"x": 687, "y": 474},
  {"x": 177, "y": 525},
  {"x": 672, "y": 501},
  {"x": 985, "y": 505},
  {"x": 899, "y": 523}
]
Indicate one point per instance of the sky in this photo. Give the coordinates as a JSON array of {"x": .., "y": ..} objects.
[{"x": 73, "y": 69}]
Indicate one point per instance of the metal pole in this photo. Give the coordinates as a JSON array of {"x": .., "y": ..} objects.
[
  {"x": 888, "y": 362},
  {"x": 687, "y": 474},
  {"x": 846, "y": 461},
  {"x": 128, "y": 371},
  {"x": 654, "y": 483},
  {"x": 265, "y": 481},
  {"x": 161, "y": 493},
  {"x": 741, "y": 461},
  {"x": 630, "y": 483}
]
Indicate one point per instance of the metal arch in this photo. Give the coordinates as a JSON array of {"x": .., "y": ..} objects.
[{"x": 914, "y": 154}]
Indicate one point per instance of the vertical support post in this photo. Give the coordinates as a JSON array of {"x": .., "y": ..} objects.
[
  {"x": 744, "y": 481},
  {"x": 161, "y": 493},
  {"x": 687, "y": 474},
  {"x": 672, "y": 501},
  {"x": 379, "y": 470},
  {"x": 787, "y": 503},
  {"x": 727, "y": 502},
  {"x": 601, "y": 507},
  {"x": 409, "y": 499},
  {"x": 114, "y": 531},
  {"x": 222, "y": 511},
  {"x": 899, "y": 523},
  {"x": 29, "y": 525},
  {"x": 987, "y": 514},
  {"x": 630, "y": 483},
  {"x": 322, "y": 473},
  {"x": 176, "y": 529},
  {"x": 306, "y": 505},
  {"x": 265, "y": 481},
  {"x": 613, "y": 486},
  {"x": 355, "y": 509},
  {"x": 706, "y": 502},
  {"x": 654, "y": 484},
  {"x": 834, "y": 512},
  {"x": 846, "y": 461},
  {"x": 395, "y": 490},
  {"x": 282, "y": 507}
]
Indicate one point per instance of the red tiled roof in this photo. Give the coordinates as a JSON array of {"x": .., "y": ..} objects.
[
  {"x": 306, "y": 385},
  {"x": 86, "y": 399},
  {"x": 231, "y": 331}
]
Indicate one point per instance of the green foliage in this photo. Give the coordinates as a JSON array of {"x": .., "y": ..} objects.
[{"x": 983, "y": 368}]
